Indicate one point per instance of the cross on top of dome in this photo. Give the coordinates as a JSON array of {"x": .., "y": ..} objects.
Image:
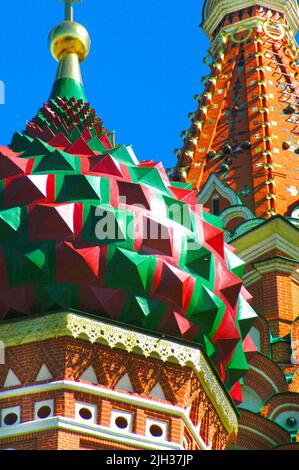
[{"x": 69, "y": 9}]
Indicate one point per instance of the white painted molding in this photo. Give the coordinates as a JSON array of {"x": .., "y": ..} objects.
[
  {"x": 251, "y": 278},
  {"x": 41, "y": 404},
  {"x": 268, "y": 244},
  {"x": 276, "y": 264},
  {"x": 73, "y": 325},
  {"x": 236, "y": 211},
  {"x": 101, "y": 432},
  {"x": 103, "y": 393}
]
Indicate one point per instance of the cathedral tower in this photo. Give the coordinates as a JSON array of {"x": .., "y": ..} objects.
[
  {"x": 241, "y": 157},
  {"x": 245, "y": 129}
]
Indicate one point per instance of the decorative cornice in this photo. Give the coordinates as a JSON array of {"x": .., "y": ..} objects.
[
  {"x": 245, "y": 227},
  {"x": 100, "y": 432},
  {"x": 277, "y": 263},
  {"x": 251, "y": 277},
  {"x": 216, "y": 10},
  {"x": 236, "y": 211},
  {"x": 100, "y": 392},
  {"x": 62, "y": 324},
  {"x": 267, "y": 245},
  {"x": 214, "y": 183},
  {"x": 275, "y": 233}
]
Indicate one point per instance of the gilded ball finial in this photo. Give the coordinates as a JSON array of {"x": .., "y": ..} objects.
[{"x": 69, "y": 37}]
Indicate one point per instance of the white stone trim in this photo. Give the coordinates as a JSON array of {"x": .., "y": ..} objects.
[
  {"x": 128, "y": 415},
  {"x": 40, "y": 404},
  {"x": 103, "y": 393},
  {"x": 295, "y": 277},
  {"x": 276, "y": 241},
  {"x": 101, "y": 432},
  {"x": 275, "y": 264},
  {"x": 236, "y": 211},
  {"x": 96, "y": 331},
  {"x": 251, "y": 278},
  {"x": 16, "y": 410}
]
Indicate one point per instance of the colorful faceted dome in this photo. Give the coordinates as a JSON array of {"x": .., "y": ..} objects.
[{"x": 84, "y": 225}]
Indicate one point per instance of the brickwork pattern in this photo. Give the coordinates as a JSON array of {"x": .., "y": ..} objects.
[{"x": 68, "y": 359}]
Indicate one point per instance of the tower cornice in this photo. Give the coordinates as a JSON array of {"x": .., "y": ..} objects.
[
  {"x": 215, "y": 11},
  {"x": 68, "y": 324}
]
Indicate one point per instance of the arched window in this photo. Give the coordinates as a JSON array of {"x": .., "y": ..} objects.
[{"x": 215, "y": 204}]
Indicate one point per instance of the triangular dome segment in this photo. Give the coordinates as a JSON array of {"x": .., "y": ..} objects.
[
  {"x": 105, "y": 165},
  {"x": 157, "y": 392},
  {"x": 80, "y": 147},
  {"x": 44, "y": 374},
  {"x": 11, "y": 379},
  {"x": 60, "y": 140},
  {"x": 125, "y": 384}
]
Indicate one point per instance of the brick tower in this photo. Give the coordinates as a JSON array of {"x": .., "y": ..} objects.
[
  {"x": 124, "y": 319},
  {"x": 241, "y": 157}
]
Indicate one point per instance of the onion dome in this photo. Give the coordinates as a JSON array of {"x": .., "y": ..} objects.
[{"x": 84, "y": 225}]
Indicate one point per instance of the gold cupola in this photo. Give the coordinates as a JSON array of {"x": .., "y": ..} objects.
[{"x": 69, "y": 44}]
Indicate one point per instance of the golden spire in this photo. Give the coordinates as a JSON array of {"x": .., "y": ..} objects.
[{"x": 69, "y": 43}]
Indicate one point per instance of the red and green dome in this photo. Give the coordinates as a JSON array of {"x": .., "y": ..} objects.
[{"x": 163, "y": 265}]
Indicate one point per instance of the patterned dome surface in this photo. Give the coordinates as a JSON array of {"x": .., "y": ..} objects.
[{"x": 84, "y": 225}]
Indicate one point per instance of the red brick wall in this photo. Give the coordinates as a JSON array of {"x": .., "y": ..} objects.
[
  {"x": 266, "y": 62},
  {"x": 180, "y": 386}
]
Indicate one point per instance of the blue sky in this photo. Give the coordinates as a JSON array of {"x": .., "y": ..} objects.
[{"x": 141, "y": 76}]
